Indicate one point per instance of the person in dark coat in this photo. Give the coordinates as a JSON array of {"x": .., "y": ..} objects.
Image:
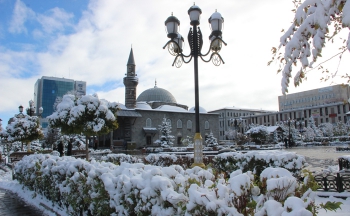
[
  {"x": 60, "y": 148},
  {"x": 285, "y": 142},
  {"x": 69, "y": 148}
]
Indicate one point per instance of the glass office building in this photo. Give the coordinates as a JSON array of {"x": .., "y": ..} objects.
[{"x": 48, "y": 89}]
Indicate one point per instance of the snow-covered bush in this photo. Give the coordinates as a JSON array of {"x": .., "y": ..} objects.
[
  {"x": 119, "y": 158},
  {"x": 257, "y": 161},
  {"x": 83, "y": 188}
]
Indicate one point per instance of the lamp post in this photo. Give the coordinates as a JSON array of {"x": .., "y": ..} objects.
[
  {"x": 30, "y": 112},
  {"x": 195, "y": 41},
  {"x": 289, "y": 121}
]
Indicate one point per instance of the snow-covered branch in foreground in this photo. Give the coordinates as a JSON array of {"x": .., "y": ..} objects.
[{"x": 307, "y": 35}]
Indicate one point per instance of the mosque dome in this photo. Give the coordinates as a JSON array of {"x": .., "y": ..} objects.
[
  {"x": 156, "y": 94},
  {"x": 143, "y": 106},
  {"x": 201, "y": 110}
]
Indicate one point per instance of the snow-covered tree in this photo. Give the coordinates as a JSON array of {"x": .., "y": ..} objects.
[
  {"x": 327, "y": 129},
  {"x": 340, "y": 129},
  {"x": 315, "y": 22},
  {"x": 312, "y": 124},
  {"x": 51, "y": 136},
  {"x": 231, "y": 134},
  {"x": 24, "y": 129},
  {"x": 188, "y": 141},
  {"x": 166, "y": 139},
  {"x": 87, "y": 115},
  {"x": 259, "y": 133},
  {"x": 211, "y": 140},
  {"x": 309, "y": 134}
]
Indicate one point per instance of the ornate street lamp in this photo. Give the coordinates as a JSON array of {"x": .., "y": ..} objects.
[{"x": 195, "y": 41}]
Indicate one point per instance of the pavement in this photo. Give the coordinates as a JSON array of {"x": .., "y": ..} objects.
[{"x": 13, "y": 205}]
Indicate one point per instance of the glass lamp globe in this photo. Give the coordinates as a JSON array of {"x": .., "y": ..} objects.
[
  {"x": 194, "y": 12},
  {"x": 172, "y": 26}
]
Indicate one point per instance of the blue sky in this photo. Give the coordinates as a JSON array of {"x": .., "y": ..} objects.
[{"x": 91, "y": 40}]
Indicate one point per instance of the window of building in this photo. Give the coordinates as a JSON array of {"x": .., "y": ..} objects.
[
  {"x": 326, "y": 111},
  {"x": 321, "y": 113},
  {"x": 169, "y": 122},
  {"x": 206, "y": 125},
  {"x": 148, "y": 123},
  {"x": 179, "y": 124},
  {"x": 326, "y": 119},
  {"x": 189, "y": 125},
  {"x": 338, "y": 109}
]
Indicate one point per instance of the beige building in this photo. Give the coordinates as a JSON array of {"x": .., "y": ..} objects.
[
  {"x": 329, "y": 104},
  {"x": 236, "y": 118}
]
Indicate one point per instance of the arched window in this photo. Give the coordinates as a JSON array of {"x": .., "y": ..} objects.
[
  {"x": 206, "y": 125},
  {"x": 179, "y": 124},
  {"x": 168, "y": 121},
  {"x": 148, "y": 123},
  {"x": 189, "y": 124}
]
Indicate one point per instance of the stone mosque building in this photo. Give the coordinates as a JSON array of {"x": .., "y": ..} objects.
[{"x": 139, "y": 118}]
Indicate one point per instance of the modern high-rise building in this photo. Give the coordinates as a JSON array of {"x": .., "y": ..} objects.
[{"x": 47, "y": 89}]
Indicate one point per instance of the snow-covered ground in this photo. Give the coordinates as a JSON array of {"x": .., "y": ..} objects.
[{"x": 316, "y": 157}]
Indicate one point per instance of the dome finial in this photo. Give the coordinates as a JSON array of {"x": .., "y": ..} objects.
[{"x": 155, "y": 83}]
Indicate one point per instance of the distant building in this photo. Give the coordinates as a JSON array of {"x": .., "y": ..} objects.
[
  {"x": 329, "y": 104},
  {"x": 47, "y": 89},
  {"x": 236, "y": 118}
]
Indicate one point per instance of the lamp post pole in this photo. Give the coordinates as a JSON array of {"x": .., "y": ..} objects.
[{"x": 195, "y": 40}]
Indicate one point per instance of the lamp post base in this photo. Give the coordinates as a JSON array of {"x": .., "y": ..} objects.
[
  {"x": 201, "y": 165},
  {"x": 198, "y": 151}
]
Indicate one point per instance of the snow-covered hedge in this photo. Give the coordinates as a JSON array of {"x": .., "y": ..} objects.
[
  {"x": 80, "y": 187},
  {"x": 257, "y": 161}
]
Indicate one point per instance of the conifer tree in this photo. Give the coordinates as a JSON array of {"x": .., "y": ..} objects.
[{"x": 166, "y": 139}]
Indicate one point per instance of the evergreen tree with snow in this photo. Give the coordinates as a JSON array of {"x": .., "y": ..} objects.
[
  {"x": 309, "y": 134},
  {"x": 166, "y": 139},
  {"x": 259, "y": 134},
  {"x": 327, "y": 129},
  {"x": 340, "y": 129},
  {"x": 211, "y": 140},
  {"x": 86, "y": 115},
  {"x": 24, "y": 130},
  {"x": 312, "y": 125}
]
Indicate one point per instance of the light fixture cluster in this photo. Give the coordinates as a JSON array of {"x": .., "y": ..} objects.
[{"x": 195, "y": 38}]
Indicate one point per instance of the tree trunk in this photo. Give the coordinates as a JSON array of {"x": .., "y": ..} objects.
[
  {"x": 87, "y": 147},
  {"x": 28, "y": 147}
]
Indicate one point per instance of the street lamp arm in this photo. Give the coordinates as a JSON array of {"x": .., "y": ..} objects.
[
  {"x": 183, "y": 59},
  {"x": 211, "y": 57},
  {"x": 213, "y": 41}
]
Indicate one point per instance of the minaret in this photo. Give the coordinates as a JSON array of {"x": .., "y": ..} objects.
[{"x": 130, "y": 82}]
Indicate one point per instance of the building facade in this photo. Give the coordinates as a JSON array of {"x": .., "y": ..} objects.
[
  {"x": 47, "y": 89},
  {"x": 328, "y": 104},
  {"x": 234, "y": 118}
]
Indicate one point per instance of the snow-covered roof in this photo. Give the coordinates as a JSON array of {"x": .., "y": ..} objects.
[
  {"x": 143, "y": 105},
  {"x": 201, "y": 110},
  {"x": 171, "y": 108},
  {"x": 272, "y": 129}
]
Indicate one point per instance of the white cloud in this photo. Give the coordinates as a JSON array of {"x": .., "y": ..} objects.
[
  {"x": 98, "y": 47},
  {"x": 20, "y": 15},
  {"x": 55, "y": 19}
]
